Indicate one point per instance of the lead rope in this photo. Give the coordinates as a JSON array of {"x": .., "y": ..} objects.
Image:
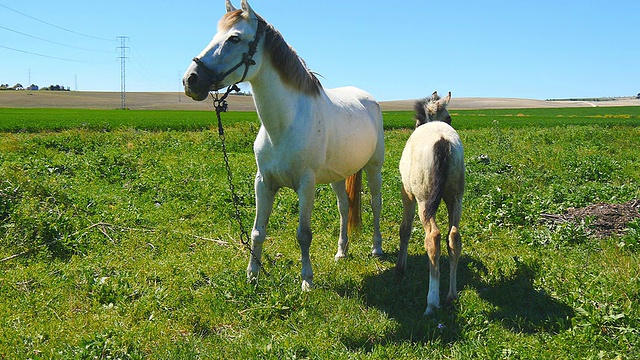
[{"x": 220, "y": 105}]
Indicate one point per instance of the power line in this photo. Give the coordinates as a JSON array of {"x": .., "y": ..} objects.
[
  {"x": 46, "y": 56},
  {"x": 50, "y": 41},
  {"x": 54, "y": 25}
]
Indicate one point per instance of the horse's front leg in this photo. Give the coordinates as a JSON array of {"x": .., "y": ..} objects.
[
  {"x": 306, "y": 197},
  {"x": 343, "y": 207},
  {"x": 265, "y": 196}
]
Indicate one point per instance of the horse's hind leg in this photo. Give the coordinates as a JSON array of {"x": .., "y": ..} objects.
[
  {"x": 374, "y": 179},
  {"x": 264, "y": 204},
  {"x": 454, "y": 245},
  {"x": 432, "y": 245},
  {"x": 343, "y": 207},
  {"x": 409, "y": 211}
]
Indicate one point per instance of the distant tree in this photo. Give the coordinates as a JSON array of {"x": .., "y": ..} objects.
[
  {"x": 18, "y": 86},
  {"x": 638, "y": 96},
  {"x": 57, "y": 88}
]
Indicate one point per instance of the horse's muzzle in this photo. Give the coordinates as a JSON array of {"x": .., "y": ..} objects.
[
  {"x": 197, "y": 83},
  {"x": 194, "y": 88}
]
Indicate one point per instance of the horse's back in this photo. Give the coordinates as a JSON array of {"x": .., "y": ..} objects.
[
  {"x": 355, "y": 100},
  {"x": 355, "y": 120}
]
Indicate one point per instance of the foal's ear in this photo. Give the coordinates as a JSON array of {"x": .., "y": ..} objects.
[
  {"x": 246, "y": 8},
  {"x": 442, "y": 103},
  {"x": 230, "y": 6}
]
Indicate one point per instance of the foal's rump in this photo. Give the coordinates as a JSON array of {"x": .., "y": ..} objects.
[{"x": 432, "y": 164}]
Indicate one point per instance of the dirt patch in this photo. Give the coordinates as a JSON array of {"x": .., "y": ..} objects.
[{"x": 605, "y": 219}]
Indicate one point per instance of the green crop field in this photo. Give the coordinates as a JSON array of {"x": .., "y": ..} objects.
[{"x": 117, "y": 242}]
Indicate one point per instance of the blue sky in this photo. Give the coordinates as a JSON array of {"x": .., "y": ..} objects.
[{"x": 393, "y": 49}]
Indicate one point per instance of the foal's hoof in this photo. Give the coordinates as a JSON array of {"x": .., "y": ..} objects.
[{"x": 399, "y": 273}]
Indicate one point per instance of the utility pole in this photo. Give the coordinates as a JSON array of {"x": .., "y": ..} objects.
[
  {"x": 180, "y": 88},
  {"x": 123, "y": 59}
]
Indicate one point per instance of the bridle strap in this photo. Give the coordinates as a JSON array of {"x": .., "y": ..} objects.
[{"x": 247, "y": 60}]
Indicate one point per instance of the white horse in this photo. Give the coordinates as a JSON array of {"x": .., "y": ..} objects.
[
  {"x": 432, "y": 169},
  {"x": 309, "y": 135}
]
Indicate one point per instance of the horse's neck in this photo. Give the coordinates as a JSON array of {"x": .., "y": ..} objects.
[{"x": 277, "y": 104}]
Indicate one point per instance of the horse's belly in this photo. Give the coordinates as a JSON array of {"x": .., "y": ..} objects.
[{"x": 345, "y": 157}]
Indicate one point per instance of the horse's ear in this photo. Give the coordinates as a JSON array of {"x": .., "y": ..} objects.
[
  {"x": 230, "y": 6},
  {"x": 246, "y": 8}
]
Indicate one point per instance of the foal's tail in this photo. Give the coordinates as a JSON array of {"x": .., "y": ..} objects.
[
  {"x": 354, "y": 190},
  {"x": 438, "y": 176}
]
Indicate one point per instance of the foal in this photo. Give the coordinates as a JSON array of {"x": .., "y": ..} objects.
[{"x": 432, "y": 169}]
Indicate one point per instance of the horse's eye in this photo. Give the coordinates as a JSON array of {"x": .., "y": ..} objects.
[{"x": 234, "y": 39}]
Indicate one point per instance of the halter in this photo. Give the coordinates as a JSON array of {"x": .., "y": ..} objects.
[{"x": 247, "y": 60}]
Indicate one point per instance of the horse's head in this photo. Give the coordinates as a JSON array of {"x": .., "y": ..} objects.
[
  {"x": 432, "y": 109},
  {"x": 231, "y": 57}
]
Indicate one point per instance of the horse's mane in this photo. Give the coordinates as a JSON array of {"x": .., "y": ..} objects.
[
  {"x": 420, "y": 107},
  {"x": 291, "y": 68}
]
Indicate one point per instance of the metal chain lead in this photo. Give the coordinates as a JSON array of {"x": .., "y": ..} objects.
[{"x": 220, "y": 105}]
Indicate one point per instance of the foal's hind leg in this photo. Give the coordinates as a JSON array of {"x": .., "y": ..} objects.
[
  {"x": 432, "y": 245},
  {"x": 454, "y": 243},
  {"x": 409, "y": 211},
  {"x": 343, "y": 207}
]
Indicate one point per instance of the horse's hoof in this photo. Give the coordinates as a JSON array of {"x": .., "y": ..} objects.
[
  {"x": 340, "y": 255},
  {"x": 252, "y": 276},
  {"x": 430, "y": 310},
  {"x": 377, "y": 251},
  {"x": 306, "y": 285}
]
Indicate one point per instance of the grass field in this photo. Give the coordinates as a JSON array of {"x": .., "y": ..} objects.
[{"x": 117, "y": 241}]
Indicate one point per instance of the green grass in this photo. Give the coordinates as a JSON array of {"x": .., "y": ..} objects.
[
  {"x": 518, "y": 118},
  {"x": 128, "y": 248},
  {"x": 35, "y": 120}
]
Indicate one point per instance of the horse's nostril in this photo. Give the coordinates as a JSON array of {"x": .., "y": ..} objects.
[{"x": 192, "y": 80}]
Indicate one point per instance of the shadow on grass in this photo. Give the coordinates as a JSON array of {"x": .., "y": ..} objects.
[{"x": 512, "y": 302}]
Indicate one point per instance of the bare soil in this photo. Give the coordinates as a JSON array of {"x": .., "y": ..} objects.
[
  {"x": 178, "y": 101},
  {"x": 605, "y": 219}
]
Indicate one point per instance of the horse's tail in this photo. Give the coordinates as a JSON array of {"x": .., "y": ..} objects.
[
  {"x": 438, "y": 176},
  {"x": 354, "y": 191}
]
